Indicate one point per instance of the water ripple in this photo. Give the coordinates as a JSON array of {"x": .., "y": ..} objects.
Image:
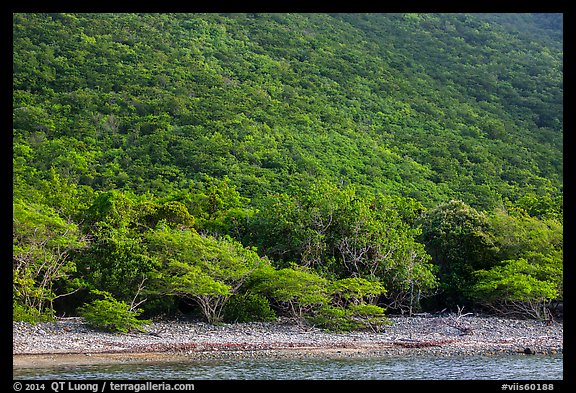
[{"x": 424, "y": 368}]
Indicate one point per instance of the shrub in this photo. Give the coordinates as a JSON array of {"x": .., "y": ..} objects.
[
  {"x": 354, "y": 317},
  {"x": 31, "y": 315},
  {"x": 355, "y": 290},
  {"x": 369, "y": 316},
  {"x": 111, "y": 314},
  {"x": 249, "y": 307},
  {"x": 336, "y": 319}
]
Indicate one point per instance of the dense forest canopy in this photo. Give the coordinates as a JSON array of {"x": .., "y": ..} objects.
[{"x": 322, "y": 141}]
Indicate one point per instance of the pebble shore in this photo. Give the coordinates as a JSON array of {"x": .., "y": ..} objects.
[{"x": 74, "y": 340}]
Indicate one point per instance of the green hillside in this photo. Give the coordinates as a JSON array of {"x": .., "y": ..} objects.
[
  {"x": 237, "y": 116},
  {"x": 430, "y": 106}
]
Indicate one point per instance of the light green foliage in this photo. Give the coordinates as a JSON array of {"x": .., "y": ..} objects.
[
  {"x": 220, "y": 208},
  {"x": 539, "y": 241},
  {"x": 369, "y": 316},
  {"x": 516, "y": 234},
  {"x": 355, "y": 317},
  {"x": 24, "y": 313},
  {"x": 296, "y": 290},
  {"x": 355, "y": 291},
  {"x": 204, "y": 269},
  {"x": 42, "y": 242},
  {"x": 111, "y": 314},
  {"x": 154, "y": 102},
  {"x": 516, "y": 287},
  {"x": 353, "y": 306},
  {"x": 530, "y": 273},
  {"x": 543, "y": 207}
]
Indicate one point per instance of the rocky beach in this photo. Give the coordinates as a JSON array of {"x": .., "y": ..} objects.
[{"x": 71, "y": 341}]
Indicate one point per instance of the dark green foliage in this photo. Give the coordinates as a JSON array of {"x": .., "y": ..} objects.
[
  {"x": 342, "y": 234},
  {"x": 117, "y": 260},
  {"x": 457, "y": 237}
]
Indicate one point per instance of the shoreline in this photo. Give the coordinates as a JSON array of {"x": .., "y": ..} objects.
[{"x": 70, "y": 342}]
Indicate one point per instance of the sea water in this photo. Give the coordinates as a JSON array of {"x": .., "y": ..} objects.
[{"x": 504, "y": 367}]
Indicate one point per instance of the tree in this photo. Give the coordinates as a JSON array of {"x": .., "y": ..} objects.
[
  {"x": 117, "y": 260},
  {"x": 203, "y": 269},
  {"x": 219, "y": 208},
  {"x": 530, "y": 272},
  {"x": 516, "y": 234},
  {"x": 459, "y": 242},
  {"x": 355, "y": 291},
  {"x": 296, "y": 290},
  {"x": 543, "y": 207},
  {"x": 286, "y": 140},
  {"x": 42, "y": 244},
  {"x": 376, "y": 241},
  {"x": 516, "y": 287},
  {"x": 352, "y": 306},
  {"x": 340, "y": 233},
  {"x": 171, "y": 213},
  {"x": 114, "y": 208}
]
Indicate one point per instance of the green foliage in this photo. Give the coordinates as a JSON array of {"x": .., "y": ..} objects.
[
  {"x": 295, "y": 290},
  {"x": 114, "y": 208},
  {"x": 220, "y": 208},
  {"x": 172, "y": 213},
  {"x": 23, "y": 313},
  {"x": 342, "y": 233},
  {"x": 530, "y": 272},
  {"x": 394, "y": 103},
  {"x": 356, "y": 290},
  {"x": 111, "y": 314},
  {"x": 42, "y": 242},
  {"x": 369, "y": 316},
  {"x": 352, "y": 306},
  {"x": 458, "y": 239},
  {"x": 334, "y": 318},
  {"x": 520, "y": 235},
  {"x": 248, "y": 307},
  {"x": 117, "y": 262},
  {"x": 516, "y": 287},
  {"x": 332, "y": 141},
  {"x": 345, "y": 319},
  {"x": 204, "y": 269},
  {"x": 543, "y": 207}
]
